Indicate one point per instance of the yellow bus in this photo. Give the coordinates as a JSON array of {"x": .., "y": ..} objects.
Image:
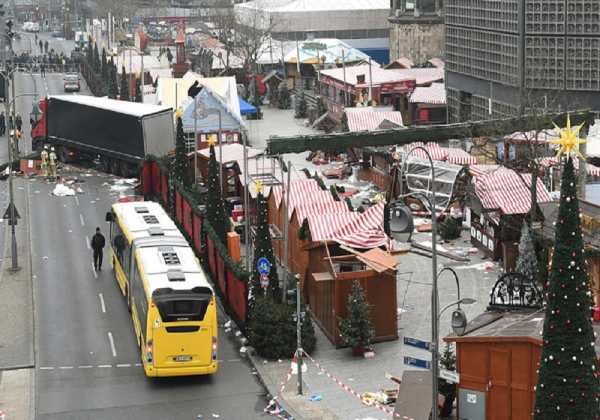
[{"x": 172, "y": 305}]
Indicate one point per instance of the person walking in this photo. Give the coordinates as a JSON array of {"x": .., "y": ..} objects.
[
  {"x": 44, "y": 165},
  {"x": 46, "y": 47},
  {"x": 41, "y": 44},
  {"x": 2, "y": 124},
  {"x": 52, "y": 163},
  {"x": 19, "y": 122},
  {"x": 43, "y": 70},
  {"x": 97, "y": 244}
]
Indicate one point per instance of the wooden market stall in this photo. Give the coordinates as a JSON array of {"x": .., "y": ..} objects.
[
  {"x": 331, "y": 281},
  {"x": 500, "y": 202}
]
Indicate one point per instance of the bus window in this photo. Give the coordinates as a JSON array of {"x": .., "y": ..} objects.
[
  {"x": 182, "y": 306},
  {"x": 141, "y": 303}
]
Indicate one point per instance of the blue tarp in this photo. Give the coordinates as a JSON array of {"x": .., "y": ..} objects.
[{"x": 246, "y": 108}]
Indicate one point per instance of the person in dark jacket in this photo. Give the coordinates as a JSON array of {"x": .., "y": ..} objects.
[
  {"x": 98, "y": 243},
  {"x": 19, "y": 122},
  {"x": 2, "y": 124}
]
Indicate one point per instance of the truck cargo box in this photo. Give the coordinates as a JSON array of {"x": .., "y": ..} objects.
[{"x": 125, "y": 130}]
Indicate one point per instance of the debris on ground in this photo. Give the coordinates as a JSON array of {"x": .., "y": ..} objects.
[
  {"x": 316, "y": 397},
  {"x": 61, "y": 190}
]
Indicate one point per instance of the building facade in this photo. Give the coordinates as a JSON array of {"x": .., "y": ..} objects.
[
  {"x": 417, "y": 30},
  {"x": 505, "y": 57}
]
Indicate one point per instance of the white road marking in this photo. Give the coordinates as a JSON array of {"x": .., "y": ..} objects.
[
  {"x": 85, "y": 367},
  {"x": 138, "y": 364},
  {"x": 65, "y": 367},
  {"x": 47, "y": 368},
  {"x": 81, "y": 220},
  {"x": 87, "y": 242},
  {"x": 104, "y": 366},
  {"x": 124, "y": 365},
  {"x": 234, "y": 360},
  {"x": 94, "y": 270},
  {"x": 102, "y": 303},
  {"x": 77, "y": 200},
  {"x": 112, "y": 344}
]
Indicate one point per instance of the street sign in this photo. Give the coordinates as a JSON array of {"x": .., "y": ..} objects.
[
  {"x": 420, "y": 363},
  {"x": 450, "y": 376},
  {"x": 415, "y": 342},
  {"x": 263, "y": 266},
  {"x": 8, "y": 212},
  {"x": 264, "y": 281}
]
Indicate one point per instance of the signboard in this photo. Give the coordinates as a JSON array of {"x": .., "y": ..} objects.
[
  {"x": 414, "y": 342},
  {"x": 7, "y": 214},
  {"x": 420, "y": 363},
  {"x": 263, "y": 266},
  {"x": 450, "y": 376}
]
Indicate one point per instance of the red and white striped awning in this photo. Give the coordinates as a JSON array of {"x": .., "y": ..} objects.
[
  {"x": 590, "y": 169},
  {"x": 504, "y": 190},
  {"x": 368, "y": 118},
  {"x": 444, "y": 154},
  {"x": 331, "y": 220},
  {"x": 460, "y": 157},
  {"x": 354, "y": 229},
  {"x": 435, "y": 150}
]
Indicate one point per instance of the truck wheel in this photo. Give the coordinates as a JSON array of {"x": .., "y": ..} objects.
[
  {"x": 114, "y": 167},
  {"x": 123, "y": 169},
  {"x": 63, "y": 154}
]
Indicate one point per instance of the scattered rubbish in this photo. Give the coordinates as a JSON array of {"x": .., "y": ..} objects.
[
  {"x": 62, "y": 190},
  {"x": 279, "y": 360},
  {"x": 295, "y": 367},
  {"x": 351, "y": 379},
  {"x": 227, "y": 324},
  {"x": 238, "y": 333},
  {"x": 273, "y": 408},
  {"x": 216, "y": 416},
  {"x": 79, "y": 190},
  {"x": 44, "y": 257},
  {"x": 316, "y": 397},
  {"x": 369, "y": 354},
  {"x": 381, "y": 397},
  {"x": 36, "y": 192},
  {"x": 265, "y": 362},
  {"x": 244, "y": 341},
  {"x": 120, "y": 187},
  {"x": 199, "y": 416},
  {"x": 227, "y": 330},
  {"x": 243, "y": 350},
  {"x": 70, "y": 231}
]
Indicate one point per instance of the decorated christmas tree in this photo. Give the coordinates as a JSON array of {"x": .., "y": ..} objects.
[
  {"x": 263, "y": 249},
  {"x": 568, "y": 385},
  {"x": 124, "y": 85},
  {"x": 180, "y": 163},
  {"x": 356, "y": 329},
  {"x": 527, "y": 263},
  {"x": 215, "y": 205}
]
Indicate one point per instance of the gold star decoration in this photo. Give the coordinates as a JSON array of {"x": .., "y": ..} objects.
[
  {"x": 259, "y": 186},
  {"x": 178, "y": 113},
  {"x": 569, "y": 140},
  {"x": 212, "y": 141}
]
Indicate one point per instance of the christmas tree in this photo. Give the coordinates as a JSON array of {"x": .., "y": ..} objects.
[
  {"x": 124, "y": 85},
  {"x": 104, "y": 67},
  {"x": 321, "y": 108},
  {"x": 96, "y": 58},
  {"x": 179, "y": 166},
  {"x": 138, "y": 90},
  {"x": 356, "y": 329},
  {"x": 215, "y": 205},
  {"x": 113, "y": 87},
  {"x": 568, "y": 383},
  {"x": 301, "y": 107},
  {"x": 527, "y": 263},
  {"x": 263, "y": 248},
  {"x": 283, "y": 100}
]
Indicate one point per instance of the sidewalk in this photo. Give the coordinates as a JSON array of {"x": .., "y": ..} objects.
[
  {"x": 17, "y": 357},
  {"x": 368, "y": 375}
]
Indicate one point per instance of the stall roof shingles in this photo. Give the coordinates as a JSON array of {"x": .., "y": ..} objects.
[{"x": 433, "y": 95}]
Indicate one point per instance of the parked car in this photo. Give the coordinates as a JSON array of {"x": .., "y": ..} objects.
[{"x": 71, "y": 82}]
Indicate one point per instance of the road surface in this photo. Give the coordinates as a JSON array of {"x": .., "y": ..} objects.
[{"x": 87, "y": 364}]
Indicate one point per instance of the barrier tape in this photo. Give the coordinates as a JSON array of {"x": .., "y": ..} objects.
[
  {"x": 273, "y": 408},
  {"x": 354, "y": 393}
]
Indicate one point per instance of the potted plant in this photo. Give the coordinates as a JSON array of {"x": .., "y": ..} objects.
[{"x": 356, "y": 330}]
